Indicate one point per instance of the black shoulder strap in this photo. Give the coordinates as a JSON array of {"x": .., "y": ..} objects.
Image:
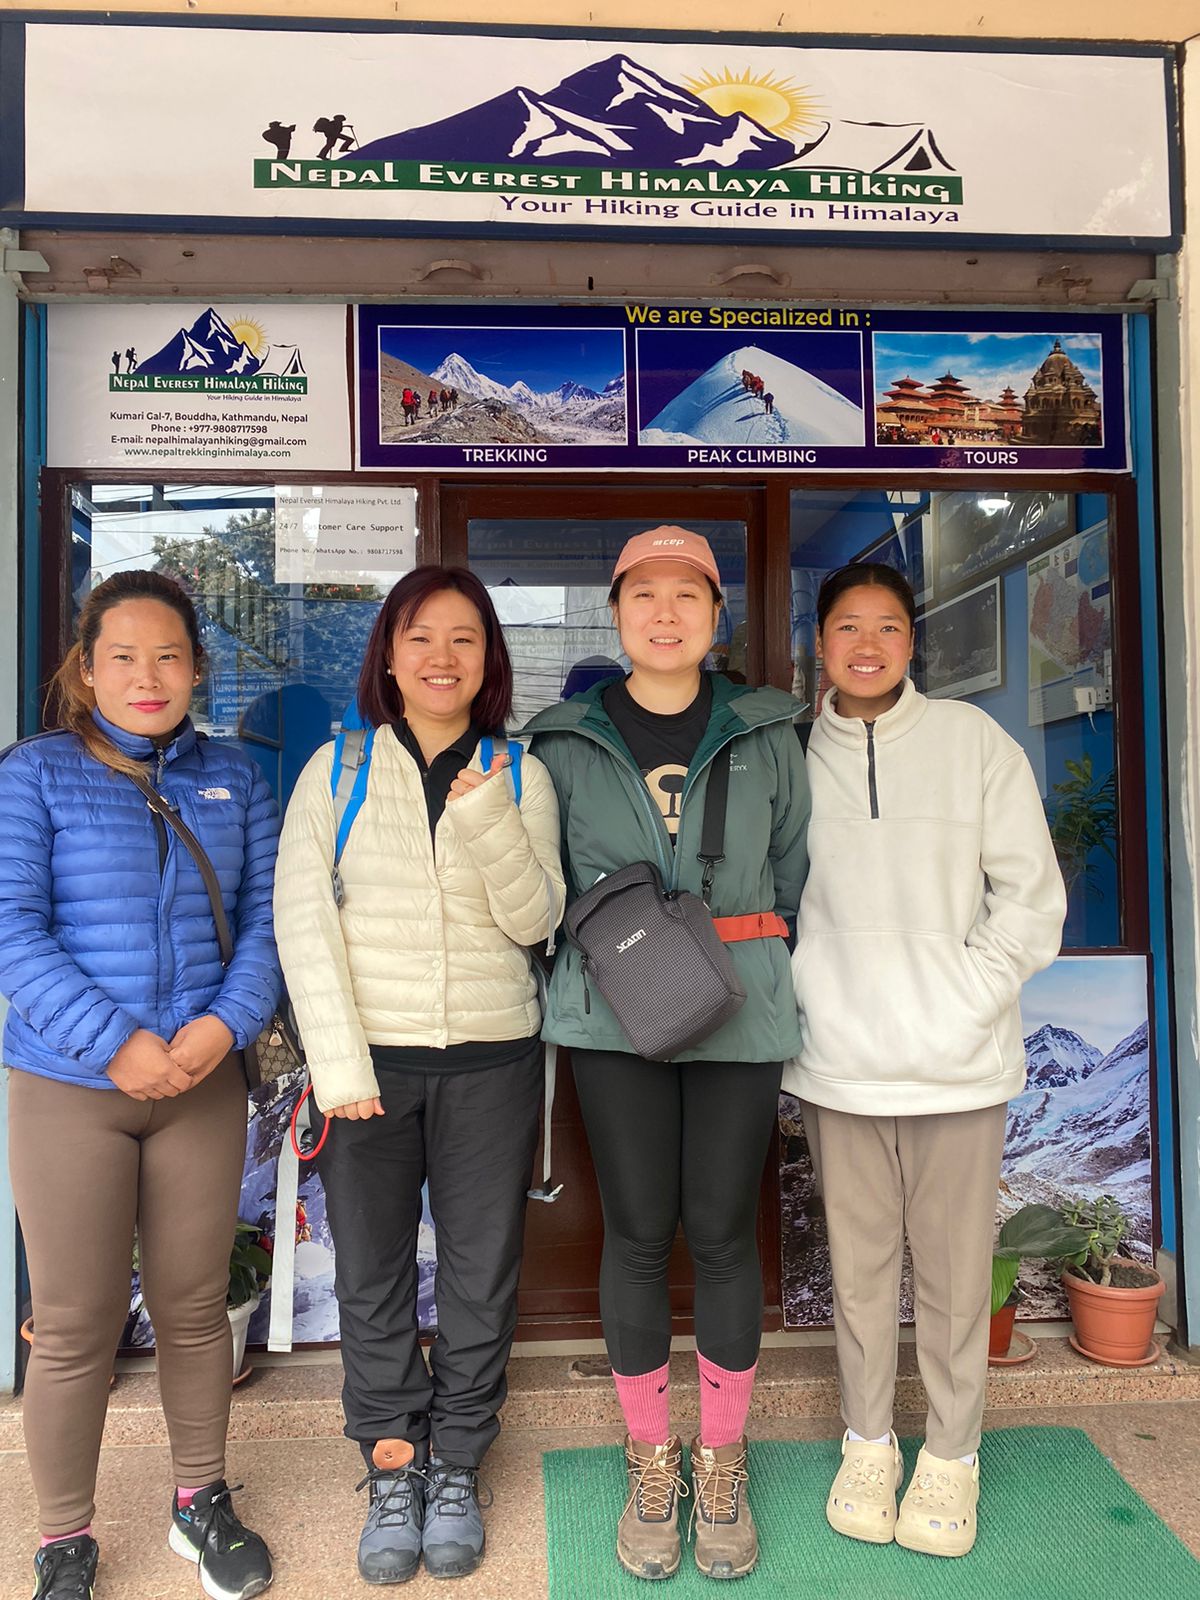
[
  {"x": 175, "y": 822},
  {"x": 712, "y": 827}
]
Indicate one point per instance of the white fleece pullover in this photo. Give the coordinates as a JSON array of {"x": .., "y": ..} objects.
[
  {"x": 933, "y": 894},
  {"x": 426, "y": 948}
]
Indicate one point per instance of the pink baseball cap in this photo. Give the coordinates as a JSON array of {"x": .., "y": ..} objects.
[{"x": 668, "y": 543}]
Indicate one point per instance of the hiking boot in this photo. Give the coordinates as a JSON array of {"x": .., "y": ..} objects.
[
  {"x": 648, "y": 1532},
  {"x": 234, "y": 1563},
  {"x": 389, "y": 1547},
  {"x": 66, "y": 1569},
  {"x": 453, "y": 1538},
  {"x": 726, "y": 1540}
]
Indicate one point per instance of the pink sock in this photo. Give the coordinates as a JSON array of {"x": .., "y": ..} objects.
[
  {"x": 724, "y": 1403},
  {"x": 186, "y": 1496},
  {"x": 646, "y": 1402},
  {"x": 57, "y": 1538}
]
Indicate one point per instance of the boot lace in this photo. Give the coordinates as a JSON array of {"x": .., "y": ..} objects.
[
  {"x": 451, "y": 1490},
  {"x": 391, "y": 1494},
  {"x": 718, "y": 1488},
  {"x": 64, "y": 1568},
  {"x": 656, "y": 1482}
]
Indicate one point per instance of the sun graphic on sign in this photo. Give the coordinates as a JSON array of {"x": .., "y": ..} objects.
[
  {"x": 252, "y": 334},
  {"x": 780, "y": 104}
]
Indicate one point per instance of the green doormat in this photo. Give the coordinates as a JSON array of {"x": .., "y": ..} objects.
[{"x": 1057, "y": 1522}]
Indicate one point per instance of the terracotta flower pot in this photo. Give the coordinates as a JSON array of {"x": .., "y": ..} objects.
[
  {"x": 1000, "y": 1336},
  {"x": 1115, "y": 1324}
]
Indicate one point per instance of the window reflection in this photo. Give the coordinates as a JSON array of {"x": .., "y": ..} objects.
[
  {"x": 283, "y": 658},
  {"x": 1014, "y": 596}
]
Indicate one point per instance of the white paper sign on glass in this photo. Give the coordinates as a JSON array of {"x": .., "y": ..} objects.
[{"x": 344, "y": 534}]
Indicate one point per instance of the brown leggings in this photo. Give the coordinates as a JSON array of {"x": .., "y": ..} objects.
[{"x": 86, "y": 1164}]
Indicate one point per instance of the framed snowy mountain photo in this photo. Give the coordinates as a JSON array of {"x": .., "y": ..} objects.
[{"x": 1080, "y": 1128}]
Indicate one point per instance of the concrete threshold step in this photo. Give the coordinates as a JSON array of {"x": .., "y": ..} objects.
[{"x": 563, "y": 1391}]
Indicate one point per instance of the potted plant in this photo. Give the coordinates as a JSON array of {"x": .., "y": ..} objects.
[
  {"x": 1032, "y": 1233},
  {"x": 1082, "y": 817},
  {"x": 249, "y": 1273},
  {"x": 1114, "y": 1299}
]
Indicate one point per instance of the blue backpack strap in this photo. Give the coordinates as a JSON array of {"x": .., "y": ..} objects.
[
  {"x": 487, "y": 754},
  {"x": 351, "y": 765}
]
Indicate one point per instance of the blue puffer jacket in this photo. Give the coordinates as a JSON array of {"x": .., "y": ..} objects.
[{"x": 105, "y": 926}]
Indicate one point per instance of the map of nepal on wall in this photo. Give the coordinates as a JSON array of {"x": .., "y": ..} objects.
[
  {"x": 1070, "y": 628},
  {"x": 1080, "y": 1129}
]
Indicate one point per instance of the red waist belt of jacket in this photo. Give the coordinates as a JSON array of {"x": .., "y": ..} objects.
[{"x": 751, "y": 925}]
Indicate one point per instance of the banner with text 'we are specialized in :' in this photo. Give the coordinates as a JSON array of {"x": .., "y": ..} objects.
[{"x": 782, "y": 388}]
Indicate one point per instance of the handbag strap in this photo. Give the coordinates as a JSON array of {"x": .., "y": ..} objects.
[
  {"x": 712, "y": 826},
  {"x": 175, "y": 822}
]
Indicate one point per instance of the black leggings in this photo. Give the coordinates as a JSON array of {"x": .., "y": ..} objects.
[{"x": 678, "y": 1141}]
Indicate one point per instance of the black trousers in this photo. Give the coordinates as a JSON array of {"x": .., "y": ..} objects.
[
  {"x": 472, "y": 1135},
  {"x": 676, "y": 1142}
]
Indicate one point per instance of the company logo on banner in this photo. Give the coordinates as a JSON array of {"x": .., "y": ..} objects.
[
  {"x": 487, "y": 131},
  {"x": 631, "y": 143},
  {"x": 652, "y": 388},
  {"x": 213, "y": 357}
]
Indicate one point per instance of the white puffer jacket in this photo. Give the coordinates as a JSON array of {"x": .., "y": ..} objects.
[{"x": 427, "y": 948}]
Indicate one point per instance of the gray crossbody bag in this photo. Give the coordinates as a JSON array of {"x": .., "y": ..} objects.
[{"x": 653, "y": 953}]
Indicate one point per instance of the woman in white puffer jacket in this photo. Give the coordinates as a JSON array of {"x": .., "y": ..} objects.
[
  {"x": 933, "y": 894},
  {"x": 418, "y": 1008}
]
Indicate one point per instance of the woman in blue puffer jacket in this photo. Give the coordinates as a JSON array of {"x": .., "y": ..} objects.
[{"x": 127, "y": 1099}]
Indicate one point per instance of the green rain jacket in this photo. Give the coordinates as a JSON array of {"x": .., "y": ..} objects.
[{"x": 610, "y": 819}]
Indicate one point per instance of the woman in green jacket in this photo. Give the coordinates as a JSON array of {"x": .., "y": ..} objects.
[{"x": 684, "y": 1139}]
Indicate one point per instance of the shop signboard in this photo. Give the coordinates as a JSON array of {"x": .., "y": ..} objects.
[
  {"x": 188, "y": 388},
  {"x": 724, "y": 388},
  {"x": 466, "y": 130}
]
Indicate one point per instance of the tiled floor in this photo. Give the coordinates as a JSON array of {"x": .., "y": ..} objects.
[{"x": 300, "y": 1490}]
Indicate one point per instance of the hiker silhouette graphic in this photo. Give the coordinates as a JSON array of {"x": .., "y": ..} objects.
[
  {"x": 334, "y": 129},
  {"x": 280, "y": 135}
]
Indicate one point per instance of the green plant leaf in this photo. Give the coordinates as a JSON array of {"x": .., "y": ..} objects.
[
  {"x": 1039, "y": 1232},
  {"x": 1004, "y": 1276}
]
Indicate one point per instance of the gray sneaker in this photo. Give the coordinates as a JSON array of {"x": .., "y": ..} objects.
[
  {"x": 389, "y": 1547},
  {"x": 452, "y": 1539}
]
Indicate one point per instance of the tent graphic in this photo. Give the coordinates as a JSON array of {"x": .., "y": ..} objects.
[{"x": 873, "y": 147}]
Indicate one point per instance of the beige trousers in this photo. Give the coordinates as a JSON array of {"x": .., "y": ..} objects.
[
  {"x": 86, "y": 1164},
  {"x": 936, "y": 1179}
]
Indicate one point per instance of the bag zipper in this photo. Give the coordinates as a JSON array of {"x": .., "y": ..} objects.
[{"x": 872, "y": 791}]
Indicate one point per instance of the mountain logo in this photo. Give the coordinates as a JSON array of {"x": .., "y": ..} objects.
[
  {"x": 617, "y": 127},
  {"x": 214, "y": 357}
]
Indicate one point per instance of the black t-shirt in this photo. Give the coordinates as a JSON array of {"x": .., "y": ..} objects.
[
  {"x": 473, "y": 1056},
  {"x": 662, "y": 744}
]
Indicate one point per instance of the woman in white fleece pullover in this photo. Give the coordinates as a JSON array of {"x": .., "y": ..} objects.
[{"x": 933, "y": 894}]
